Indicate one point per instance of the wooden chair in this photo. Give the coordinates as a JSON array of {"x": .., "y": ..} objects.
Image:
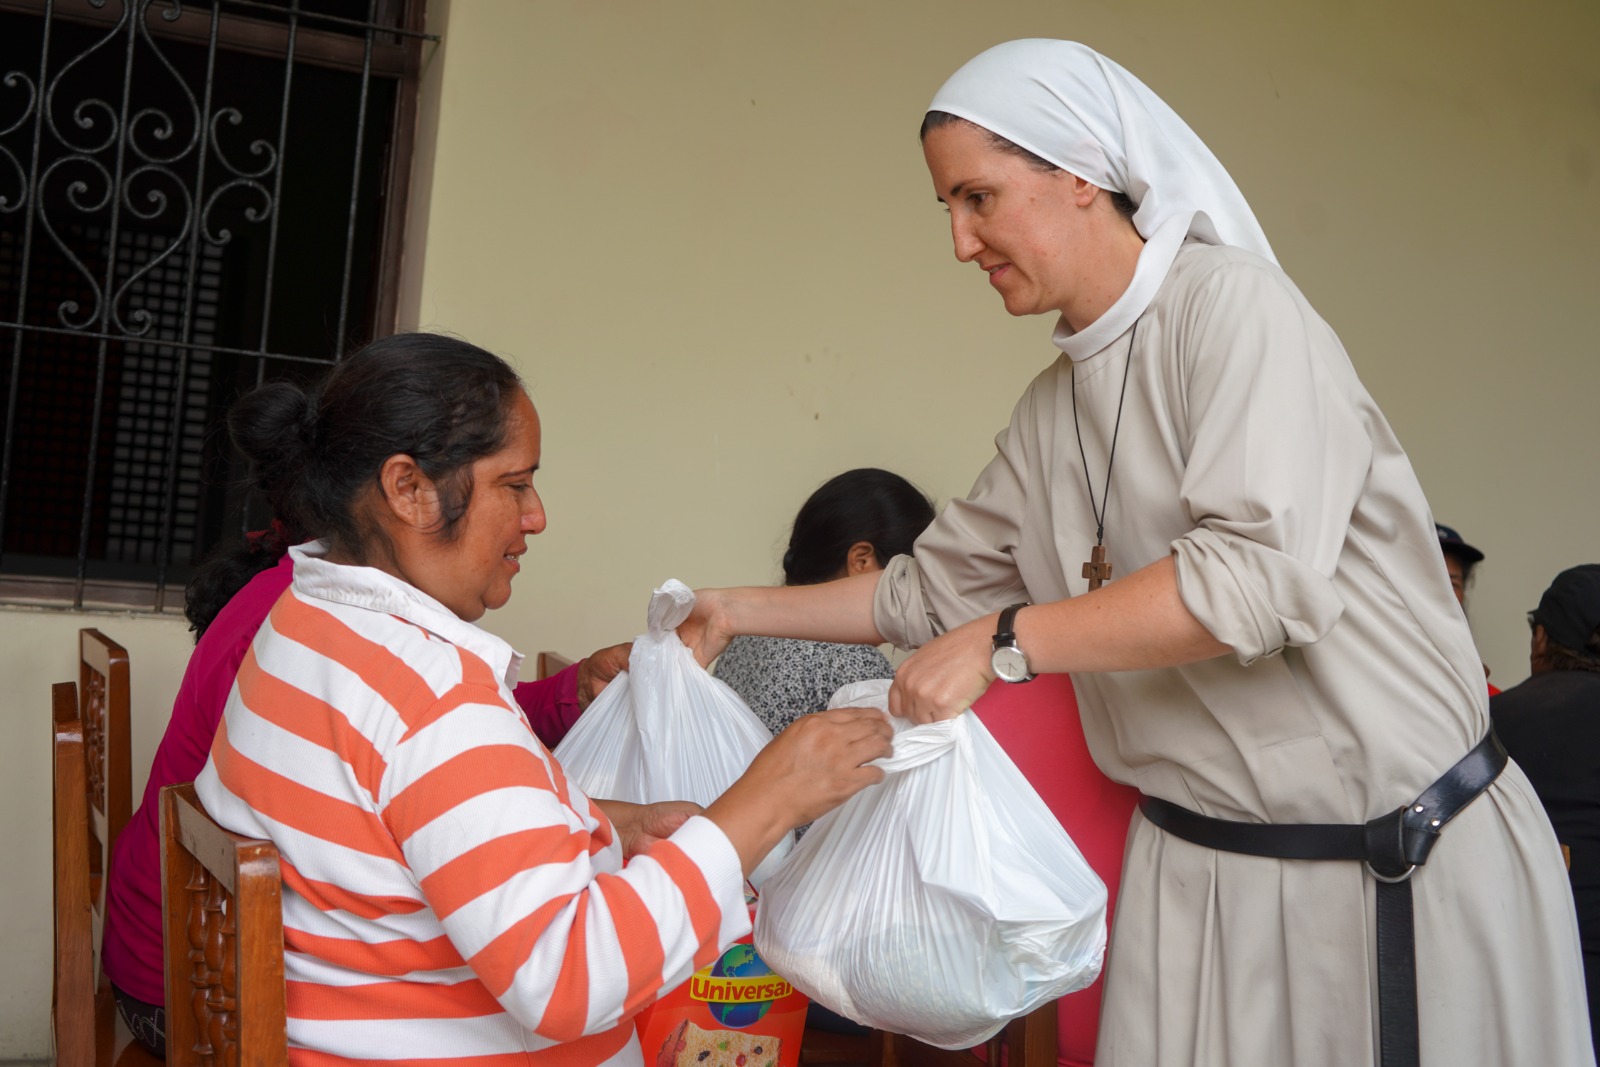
[
  {"x": 549, "y": 663},
  {"x": 76, "y": 884},
  {"x": 1026, "y": 1042},
  {"x": 826, "y": 1048},
  {"x": 222, "y": 921},
  {"x": 88, "y": 1031},
  {"x": 104, "y": 695}
]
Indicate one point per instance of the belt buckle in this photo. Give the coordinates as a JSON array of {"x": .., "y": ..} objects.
[
  {"x": 1385, "y": 839},
  {"x": 1390, "y": 879}
]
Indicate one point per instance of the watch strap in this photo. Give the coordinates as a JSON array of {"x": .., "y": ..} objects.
[{"x": 1005, "y": 630}]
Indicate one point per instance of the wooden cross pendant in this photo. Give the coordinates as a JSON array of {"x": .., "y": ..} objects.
[{"x": 1097, "y": 570}]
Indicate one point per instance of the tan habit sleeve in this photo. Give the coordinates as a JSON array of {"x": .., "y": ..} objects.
[
  {"x": 1277, "y": 459},
  {"x": 962, "y": 566}
]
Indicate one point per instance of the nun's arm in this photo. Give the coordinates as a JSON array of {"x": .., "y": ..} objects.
[
  {"x": 1134, "y": 623},
  {"x": 839, "y": 611}
]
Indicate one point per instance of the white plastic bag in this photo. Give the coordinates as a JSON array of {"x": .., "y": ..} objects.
[
  {"x": 940, "y": 903},
  {"x": 665, "y": 729}
]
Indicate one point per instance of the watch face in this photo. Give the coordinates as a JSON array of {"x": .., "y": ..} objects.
[{"x": 1009, "y": 664}]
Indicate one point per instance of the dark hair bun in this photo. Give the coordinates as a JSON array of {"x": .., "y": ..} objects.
[
  {"x": 864, "y": 505},
  {"x": 272, "y": 425}
]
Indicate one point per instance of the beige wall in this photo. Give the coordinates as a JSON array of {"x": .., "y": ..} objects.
[
  {"x": 704, "y": 233},
  {"x": 38, "y": 648}
]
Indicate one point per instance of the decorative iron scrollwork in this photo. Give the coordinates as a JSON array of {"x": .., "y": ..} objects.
[
  {"x": 13, "y": 176},
  {"x": 151, "y": 160},
  {"x": 192, "y": 195}
]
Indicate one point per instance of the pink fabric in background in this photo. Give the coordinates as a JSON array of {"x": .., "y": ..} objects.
[
  {"x": 131, "y": 949},
  {"x": 1037, "y": 725}
]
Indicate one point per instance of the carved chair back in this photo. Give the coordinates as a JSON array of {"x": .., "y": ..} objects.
[
  {"x": 104, "y": 697},
  {"x": 222, "y": 897}
]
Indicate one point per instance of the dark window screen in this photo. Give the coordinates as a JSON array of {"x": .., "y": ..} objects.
[{"x": 194, "y": 198}]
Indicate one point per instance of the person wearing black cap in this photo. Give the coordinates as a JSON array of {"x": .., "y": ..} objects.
[
  {"x": 1550, "y": 724},
  {"x": 1459, "y": 559}
]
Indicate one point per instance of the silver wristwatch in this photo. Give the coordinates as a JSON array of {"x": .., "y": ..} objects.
[{"x": 1009, "y": 662}]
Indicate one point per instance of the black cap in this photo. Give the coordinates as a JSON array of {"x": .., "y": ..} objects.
[
  {"x": 1569, "y": 611},
  {"x": 1450, "y": 542}
]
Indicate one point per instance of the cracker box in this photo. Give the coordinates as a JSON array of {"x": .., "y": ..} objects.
[{"x": 733, "y": 1013}]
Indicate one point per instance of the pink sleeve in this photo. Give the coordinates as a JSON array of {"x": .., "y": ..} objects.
[
  {"x": 208, "y": 679},
  {"x": 551, "y": 704},
  {"x": 132, "y": 938}
]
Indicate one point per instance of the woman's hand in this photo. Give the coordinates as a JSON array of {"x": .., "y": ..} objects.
[
  {"x": 598, "y": 668},
  {"x": 945, "y": 676},
  {"x": 819, "y": 760},
  {"x": 640, "y": 826},
  {"x": 706, "y": 631},
  {"x": 809, "y": 769}
]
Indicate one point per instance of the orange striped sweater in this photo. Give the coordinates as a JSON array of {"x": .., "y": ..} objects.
[{"x": 449, "y": 897}]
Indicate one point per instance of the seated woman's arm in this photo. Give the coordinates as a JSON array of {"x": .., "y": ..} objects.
[{"x": 505, "y": 850}]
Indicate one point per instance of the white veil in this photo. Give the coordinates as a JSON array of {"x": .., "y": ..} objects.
[{"x": 1066, "y": 103}]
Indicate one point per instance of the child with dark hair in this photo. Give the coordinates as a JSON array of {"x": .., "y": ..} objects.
[{"x": 856, "y": 522}]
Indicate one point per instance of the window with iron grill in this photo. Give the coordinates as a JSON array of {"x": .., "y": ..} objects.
[{"x": 194, "y": 197}]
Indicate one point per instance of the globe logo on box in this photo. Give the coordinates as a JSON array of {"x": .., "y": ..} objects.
[{"x": 738, "y": 988}]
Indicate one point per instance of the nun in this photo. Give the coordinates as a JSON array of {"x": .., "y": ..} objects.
[{"x": 1199, "y": 512}]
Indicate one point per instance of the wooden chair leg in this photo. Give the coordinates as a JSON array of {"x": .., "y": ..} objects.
[
  {"x": 1031, "y": 1040},
  {"x": 885, "y": 1049}
]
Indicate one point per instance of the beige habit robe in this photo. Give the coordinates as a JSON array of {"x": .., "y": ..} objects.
[{"x": 1251, "y": 453}]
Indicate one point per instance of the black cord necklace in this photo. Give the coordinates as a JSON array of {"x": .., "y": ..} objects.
[{"x": 1097, "y": 570}]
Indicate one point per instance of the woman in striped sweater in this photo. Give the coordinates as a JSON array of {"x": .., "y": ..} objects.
[{"x": 448, "y": 895}]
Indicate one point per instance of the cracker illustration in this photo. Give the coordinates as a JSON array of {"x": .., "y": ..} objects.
[{"x": 690, "y": 1046}]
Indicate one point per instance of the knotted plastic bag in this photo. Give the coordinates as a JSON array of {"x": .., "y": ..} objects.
[
  {"x": 664, "y": 729},
  {"x": 940, "y": 903}
]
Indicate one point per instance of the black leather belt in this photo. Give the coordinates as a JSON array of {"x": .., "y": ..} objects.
[{"x": 1392, "y": 846}]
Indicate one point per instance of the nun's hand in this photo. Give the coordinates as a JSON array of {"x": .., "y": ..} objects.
[
  {"x": 945, "y": 676},
  {"x": 706, "y": 631}
]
